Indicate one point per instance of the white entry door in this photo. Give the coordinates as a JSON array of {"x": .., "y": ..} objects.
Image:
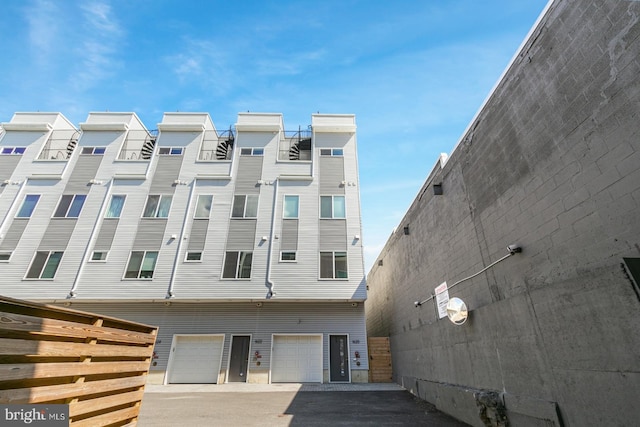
[
  {"x": 195, "y": 359},
  {"x": 296, "y": 359}
]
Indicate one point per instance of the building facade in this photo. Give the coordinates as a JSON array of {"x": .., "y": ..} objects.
[
  {"x": 551, "y": 162},
  {"x": 242, "y": 245}
]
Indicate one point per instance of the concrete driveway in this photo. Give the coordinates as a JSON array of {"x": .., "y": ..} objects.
[{"x": 268, "y": 405}]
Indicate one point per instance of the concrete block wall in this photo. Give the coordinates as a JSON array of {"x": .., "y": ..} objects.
[{"x": 551, "y": 162}]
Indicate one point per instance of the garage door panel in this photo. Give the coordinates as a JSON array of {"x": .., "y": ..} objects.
[
  {"x": 196, "y": 360},
  {"x": 296, "y": 358}
]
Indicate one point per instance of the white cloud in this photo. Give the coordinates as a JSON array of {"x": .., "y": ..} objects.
[
  {"x": 43, "y": 20},
  {"x": 98, "y": 56}
]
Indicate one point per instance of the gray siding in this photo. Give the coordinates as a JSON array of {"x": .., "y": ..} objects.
[
  {"x": 150, "y": 234},
  {"x": 242, "y": 234},
  {"x": 289, "y": 235},
  {"x": 249, "y": 172},
  {"x": 84, "y": 170},
  {"x": 242, "y": 318},
  {"x": 14, "y": 234},
  {"x": 331, "y": 174},
  {"x": 7, "y": 166},
  {"x": 58, "y": 234},
  {"x": 198, "y": 234},
  {"x": 106, "y": 234},
  {"x": 167, "y": 171},
  {"x": 333, "y": 235}
]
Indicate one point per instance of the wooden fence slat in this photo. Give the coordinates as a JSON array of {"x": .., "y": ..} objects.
[
  {"x": 108, "y": 418},
  {"x": 15, "y": 347},
  {"x": 48, "y": 311},
  {"x": 100, "y": 403},
  {"x": 21, "y": 371},
  {"x": 46, "y": 336},
  {"x": 36, "y": 325},
  {"x": 62, "y": 391}
]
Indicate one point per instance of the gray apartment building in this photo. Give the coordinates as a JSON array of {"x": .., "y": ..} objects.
[
  {"x": 551, "y": 163},
  {"x": 242, "y": 245}
]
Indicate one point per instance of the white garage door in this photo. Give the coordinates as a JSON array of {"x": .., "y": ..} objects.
[
  {"x": 195, "y": 359},
  {"x": 296, "y": 359}
]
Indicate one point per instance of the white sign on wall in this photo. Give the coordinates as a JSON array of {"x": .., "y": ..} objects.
[{"x": 442, "y": 299}]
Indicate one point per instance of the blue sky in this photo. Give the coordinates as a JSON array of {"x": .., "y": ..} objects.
[{"x": 413, "y": 71}]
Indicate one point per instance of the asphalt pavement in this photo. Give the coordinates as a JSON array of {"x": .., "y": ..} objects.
[{"x": 276, "y": 405}]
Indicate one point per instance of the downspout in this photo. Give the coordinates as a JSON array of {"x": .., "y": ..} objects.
[
  {"x": 172, "y": 280},
  {"x": 97, "y": 223},
  {"x": 270, "y": 283}
]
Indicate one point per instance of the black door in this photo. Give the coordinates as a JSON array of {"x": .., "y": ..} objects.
[
  {"x": 239, "y": 359},
  {"x": 339, "y": 358}
]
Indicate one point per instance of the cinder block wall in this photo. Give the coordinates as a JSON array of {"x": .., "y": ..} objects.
[{"x": 551, "y": 162}]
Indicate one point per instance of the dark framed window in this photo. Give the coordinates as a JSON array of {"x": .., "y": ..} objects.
[
  {"x": 335, "y": 152},
  {"x": 157, "y": 206},
  {"x": 18, "y": 151},
  {"x": 70, "y": 206},
  {"x": 141, "y": 265},
  {"x": 170, "y": 151},
  {"x": 332, "y": 207},
  {"x": 288, "y": 256},
  {"x": 245, "y": 206},
  {"x": 193, "y": 256},
  {"x": 44, "y": 265},
  {"x": 252, "y": 151},
  {"x": 96, "y": 151},
  {"x": 237, "y": 265},
  {"x": 333, "y": 265},
  {"x": 99, "y": 255}
]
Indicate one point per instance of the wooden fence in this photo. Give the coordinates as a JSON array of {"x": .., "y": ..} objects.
[
  {"x": 96, "y": 364},
  {"x": 380, "y": 370}
]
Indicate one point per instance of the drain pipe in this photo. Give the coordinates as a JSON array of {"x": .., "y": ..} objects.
[
  {"x": 270, "y": 283},
  {"x": 172, "y": 280},
  {"x": 92, "y": 237}
]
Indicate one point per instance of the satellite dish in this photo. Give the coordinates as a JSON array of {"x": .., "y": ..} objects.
[{"x": 457, "y": 311}]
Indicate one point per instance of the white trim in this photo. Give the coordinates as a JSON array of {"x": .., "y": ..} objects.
[{"x": 117, "y": 126}]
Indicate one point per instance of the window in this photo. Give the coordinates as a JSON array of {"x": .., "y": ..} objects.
[
  {"x": 28, "y": 205},
  {"x": 70, "y": 206},
  {"x": 333, "y": 265},
  {"x": 44, "y": 265},
  {"x": 290, "y": 207},
  {"x": 252, "y": 151},
  {"x": 13, "y": 150},
  {"x": 336, "y": 152},
  {"x": 237, "y": 265},
  {"x": 96, "y": 151},
  {"x": 170, "y": 151},
  {"x": 245, "y": 206},
  {"x": 203, "y": 206},
  {"x": 115, "y": 206},
  {"x": 99, "y": 256},
  {"x": 5, "y": 256},
  {"x": 157, "y": 206},
  {"x": 193, "y": 256},
  {"x": 332, "y": 207},
  {"x": 141, "y": 265},
  {"x": 287, "y": 256}
]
